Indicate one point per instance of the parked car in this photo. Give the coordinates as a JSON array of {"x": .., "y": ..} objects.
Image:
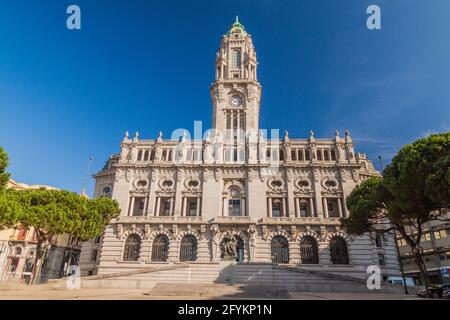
[
  {"x": 435, "y": 291},
  {"x": 399, "y": 281},
  {"x": 446, "y": 294}
]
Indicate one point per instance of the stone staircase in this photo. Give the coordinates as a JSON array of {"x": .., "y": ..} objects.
[{"x": 229, "y": 279}]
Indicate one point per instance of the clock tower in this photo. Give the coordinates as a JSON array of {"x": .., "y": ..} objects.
[{"x": 236, "y": 91}]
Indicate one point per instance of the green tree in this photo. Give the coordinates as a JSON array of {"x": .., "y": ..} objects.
[
  {"x": 413, "y": 191},
  {"x": 55, "y": 212},
  {"x": 4, "y": 161}
]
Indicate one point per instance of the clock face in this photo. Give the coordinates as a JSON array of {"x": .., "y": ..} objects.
[{"x": 235, "y": 101}]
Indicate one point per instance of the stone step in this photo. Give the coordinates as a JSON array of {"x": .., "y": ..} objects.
[{"x": 216, "y": 290}]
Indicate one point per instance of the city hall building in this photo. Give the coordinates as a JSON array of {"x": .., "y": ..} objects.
[{"x": 234, "y": 197}]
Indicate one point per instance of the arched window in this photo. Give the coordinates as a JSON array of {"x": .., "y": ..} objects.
[
  {"x": 146, "y": 154},
  {"x": 279, "y": 250},
  {"x": 188, "y": 248},
  {"x": 236, "y": 59},
  {"x": 326, "y": 155},
  {"x": 160, "y": 248},
  {"x": 152, "y": 155},
  {"x": 333, "y": 155},
  {"x": 307, "y": 157},
  {"x": 319, "y": 155},
  {"x": 281, "y": 155},
  {"x": 132, "y": 248},
  {"x": 308, "y": 251},
  {"x": 293, "y": 155},
  {"x": 338, "y": 251}
]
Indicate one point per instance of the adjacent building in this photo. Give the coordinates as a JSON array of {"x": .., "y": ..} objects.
[
  {"x": 435, "y": 243},
  {"x": 235, "y": 194},
  {"x": 18, "y": 249}
]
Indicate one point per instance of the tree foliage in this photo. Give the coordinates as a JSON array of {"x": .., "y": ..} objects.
[
  {"x": 52, "y": 212},
  {"x": 414, "y": 189},
  {"x": 4, "y": 176}
]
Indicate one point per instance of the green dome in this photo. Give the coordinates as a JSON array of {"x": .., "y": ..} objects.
[{"x": 237, "y": 26}]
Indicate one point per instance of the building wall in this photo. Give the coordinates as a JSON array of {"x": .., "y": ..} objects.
[
  {"x": 234, "y": 169},
  {"x": 436, "y": 249}
]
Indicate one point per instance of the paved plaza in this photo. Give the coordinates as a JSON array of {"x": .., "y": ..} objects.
[{"x": 14, "y": 291}]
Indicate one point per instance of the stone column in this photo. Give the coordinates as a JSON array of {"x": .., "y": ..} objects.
[
  {"x": 145, "y": 206},
  {"x": 158, "y": 203},
  {"x": 243, "y": 208},
  {"x": 151, "y": 196},
  {"x": 198, "y": 206},
  {"x": 130, "y": 213},
  {"x": 311, "y": 207},
  {"x": 176, "y": 207},
  {"x": 297, "y": 207},
  {"x": 285, "y": 213},
  {"x": 325, "y": 207},
  {"x": 290, "y": 200},
  {"x": 339, "y": 207},
  {"x": 224, "y": 208},
  {"x": 183, "y": 207},
  {"x": 171, "y": 206},
  {"x": 344, "y": 211},
  {"x": 318, "y": 195},
  {"x": 270, "y": 207}
]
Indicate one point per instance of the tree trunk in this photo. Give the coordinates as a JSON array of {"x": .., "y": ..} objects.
[
  {"x": 416, "y": 252},
  {"x": 38, "y": 261},
  {"x": 422, "y": 267}
]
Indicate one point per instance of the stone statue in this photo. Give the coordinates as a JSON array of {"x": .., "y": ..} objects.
[
  {"x": 228, "y": 247},
  {"x": 251, "y": 241},
  {"x": 215, "y": 241},
  {"x": 125, "y": 152}
]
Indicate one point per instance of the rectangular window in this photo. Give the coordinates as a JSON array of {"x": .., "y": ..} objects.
[
  {"x": 234, "y": 207},
  {"x": 303, "y": 209},
  {"x": 331, "y": 206},
  {"x": 276, "y": 208},
  {"x": 192, "y": 208},
  {"x": 166, "y": 207},
  {"x": 381, "y": 260},
  {"x": 94, "y": 255},
  {"x": 378, "y": 241},
  {"x": 139, "y": 206}
]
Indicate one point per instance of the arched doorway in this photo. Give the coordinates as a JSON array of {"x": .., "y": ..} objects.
[
  {"x": 279, "y": 250},
  {"x": 132, "y": 248},
  {"x": 232, "y": 248},
  {"x": 188, "y": 248},
  {"x": 338, "y": 251},
  {"x": 160, "y": 248},
  {"x": 308, "y": 250}
]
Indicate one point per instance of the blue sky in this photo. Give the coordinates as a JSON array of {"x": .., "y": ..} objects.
[{"x": 147, "y": 65}]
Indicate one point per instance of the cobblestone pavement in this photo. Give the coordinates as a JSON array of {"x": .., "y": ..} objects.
[{"x": 46, "y": 292}]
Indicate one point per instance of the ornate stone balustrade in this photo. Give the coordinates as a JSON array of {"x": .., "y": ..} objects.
[{"x": 152, "y": 219}]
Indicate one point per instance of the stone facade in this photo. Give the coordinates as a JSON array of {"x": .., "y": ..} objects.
[{"x": 235, "y": 193}]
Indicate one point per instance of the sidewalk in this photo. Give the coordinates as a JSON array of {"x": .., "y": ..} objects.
[{"x": 15, "y": 291}]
